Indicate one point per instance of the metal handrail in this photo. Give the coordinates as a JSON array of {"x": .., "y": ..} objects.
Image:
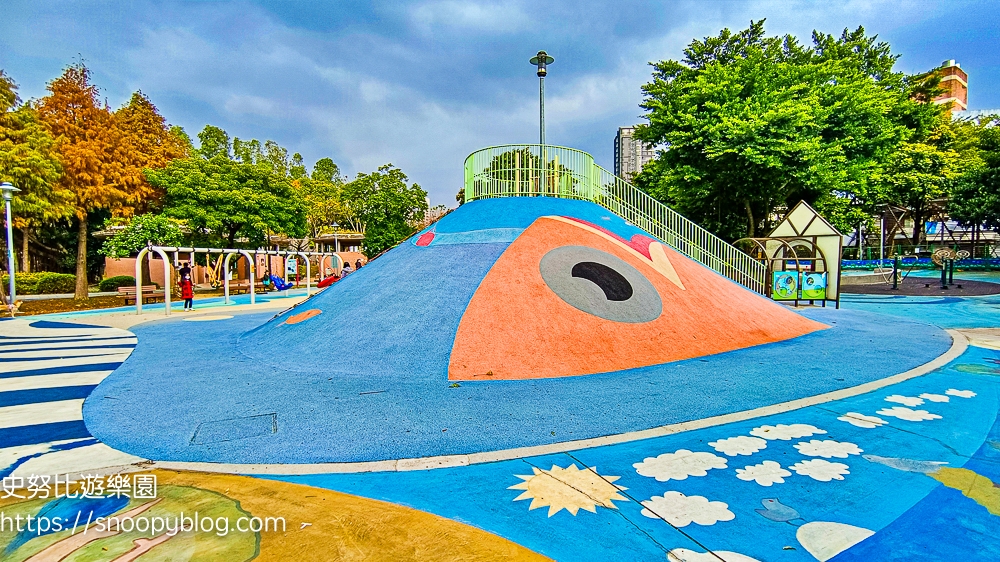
[{"x": 515, "y": 170}]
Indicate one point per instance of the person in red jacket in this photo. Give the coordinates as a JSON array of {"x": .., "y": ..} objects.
[{"x": 187, "y": 292}]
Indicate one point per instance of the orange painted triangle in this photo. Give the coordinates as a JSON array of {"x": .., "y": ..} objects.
[{"x": 517, "y": 327}]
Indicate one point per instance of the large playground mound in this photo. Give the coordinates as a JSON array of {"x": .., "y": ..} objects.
[
  {"x": 523, "y": 288},
  {"x": 510, "y": 323}
]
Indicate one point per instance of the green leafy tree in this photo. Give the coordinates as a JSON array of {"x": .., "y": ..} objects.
[
  {"x": 322, "y": 195},
  {"x": 975, "y": 197},
  {"x": 384, "y": 207},
  {"x": 139, "y": 232},
  {"x": 326, "y": 169},
  {"x": 214, "y": 142},
  {"x": 29, "y": 160},
  {"x": 751, "y": 124},
  {"x": 228, "y": 201}
]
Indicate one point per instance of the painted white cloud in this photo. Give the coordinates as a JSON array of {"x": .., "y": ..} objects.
[
  {"x": 679, "y": 465},
  {"x": 680, "y": 510},
  {"x": 828, "y": 449},
  {"x": 960, "y": 393},
  {"x": 765, "y": 473},
  {"x": 905, "y": 400},
  {"x": 686, "y": 555},
  {"x": 819, "y": 469},
  {"x": 935, "y": 397},
  {"x": 861, "y": 420},
  {"x": 786, "y": 432},
  {"x": 908, "y": 414},
  {"x": 741, "y": 445},
  {"x": 824, "y": 539}
]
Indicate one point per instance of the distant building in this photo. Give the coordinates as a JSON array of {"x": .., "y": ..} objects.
[
  {"x": 956, "y": 82},
  {"x": 630, "y": 154}
]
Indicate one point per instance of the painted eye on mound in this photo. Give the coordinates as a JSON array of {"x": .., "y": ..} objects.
[{"x": 601, "y": 284}]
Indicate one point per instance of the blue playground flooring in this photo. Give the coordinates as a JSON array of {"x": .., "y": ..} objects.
[
  {"x": 334, "y": 416},
  {"x": 177, "y": 305},
  {"x": 913, "y": 515}
]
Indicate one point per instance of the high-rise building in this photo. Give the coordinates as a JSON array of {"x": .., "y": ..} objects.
[
  {"x": 956, "y": 83},
  {"x": 630, "y": 153}
]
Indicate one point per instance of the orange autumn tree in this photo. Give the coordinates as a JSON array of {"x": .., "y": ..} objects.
[
  {"x": 103, "y": 153},
  {"x": 145, "y": 141}
]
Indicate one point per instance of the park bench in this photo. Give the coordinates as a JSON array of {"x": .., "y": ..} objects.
[
  {"x": 244, "y": 287},
  {"x": 149, "y": 293}
]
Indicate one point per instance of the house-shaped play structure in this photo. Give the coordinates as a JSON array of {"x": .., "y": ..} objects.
[{"x": 802, "y": 255}]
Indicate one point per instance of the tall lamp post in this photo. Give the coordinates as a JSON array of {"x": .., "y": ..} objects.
[
  {"x": 8, "y": 190},
  {"x": 541, "y": 60}
]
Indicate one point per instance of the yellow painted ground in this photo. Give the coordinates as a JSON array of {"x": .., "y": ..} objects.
[
  {"x": 972, "y": 485},
  {"x": 319, "y": 525},
  {"x": 346, "y": 527}
]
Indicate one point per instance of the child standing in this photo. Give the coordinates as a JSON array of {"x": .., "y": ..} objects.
[{"x": 187, "y": 292}]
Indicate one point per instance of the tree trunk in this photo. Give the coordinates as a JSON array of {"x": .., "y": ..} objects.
[
  {"x": 918, "y": 226},
  {"x": 81, "y": 260},
  {"x": 25, "y": 256},
  {"x": 144, "y": 277},
  {"x": 751, "y": 224}
]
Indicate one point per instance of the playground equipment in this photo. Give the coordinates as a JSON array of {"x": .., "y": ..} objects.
[
  {"x": 797, "y": 256},
  {"x": 517, "y": 170},
  {"x": 225, "y": 257},
  {"x": 280, "y": 284}
]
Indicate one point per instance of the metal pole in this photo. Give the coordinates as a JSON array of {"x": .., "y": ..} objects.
[
  {"x": 543, "y": 187},
  {"x": 881, "y": 242},
  {"x": 10, "y": 247},
  {"x": 895, "y": 274},
  {"x": 541, "y": 110}
]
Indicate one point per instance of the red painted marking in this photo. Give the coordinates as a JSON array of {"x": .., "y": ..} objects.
[
  {"x": 425, "y": 238},
  {"x": 639, "y": 242}
]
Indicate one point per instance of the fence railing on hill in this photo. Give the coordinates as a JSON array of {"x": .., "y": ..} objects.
[{"x": 517, "y": 170}]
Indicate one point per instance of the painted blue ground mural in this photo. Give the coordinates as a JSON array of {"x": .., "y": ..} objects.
[{"x": 797, "y": 486}]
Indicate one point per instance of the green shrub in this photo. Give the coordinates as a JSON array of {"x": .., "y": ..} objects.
[
  {"x": 113, "y": 283},
  {"x": 24, "y": 283},
  {"x": 51, "y": 283}
]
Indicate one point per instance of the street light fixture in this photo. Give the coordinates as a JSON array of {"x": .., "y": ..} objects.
[
  {"x": 336, "y": 241},
  {"x": 541, "y": 60},
  {"x": 8, "y": 190}
]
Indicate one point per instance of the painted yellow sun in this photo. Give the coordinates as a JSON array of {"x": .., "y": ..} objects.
[{"x": 569, "y": 488}]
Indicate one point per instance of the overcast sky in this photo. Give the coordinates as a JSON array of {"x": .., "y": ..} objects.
[{"x": 423, "y": 84}]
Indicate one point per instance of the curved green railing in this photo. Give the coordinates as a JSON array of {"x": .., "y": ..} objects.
[{"x": 517, "y": 170}]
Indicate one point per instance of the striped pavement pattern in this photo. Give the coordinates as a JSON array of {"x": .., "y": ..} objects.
[{"x": 47, "y": 370}]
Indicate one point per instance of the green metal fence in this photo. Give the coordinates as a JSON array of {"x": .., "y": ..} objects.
[{"x": 517, "y": 170}]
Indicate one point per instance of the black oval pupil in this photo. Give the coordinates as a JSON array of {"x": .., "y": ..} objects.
[{"x": 614, "y": 285}]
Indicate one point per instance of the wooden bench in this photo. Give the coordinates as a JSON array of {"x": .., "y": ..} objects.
[
  {"x": 149, "y": 293},
  {"x": 244, "y": 287}
]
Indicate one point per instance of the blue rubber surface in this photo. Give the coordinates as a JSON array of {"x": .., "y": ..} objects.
[
  {"x": 947, "y": 312},
  {"x": 914, "y": 517},
  {"x": 180, "y": 376}
]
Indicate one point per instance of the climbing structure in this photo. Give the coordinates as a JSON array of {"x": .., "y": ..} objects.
[{"x": 522, "y": 288}]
